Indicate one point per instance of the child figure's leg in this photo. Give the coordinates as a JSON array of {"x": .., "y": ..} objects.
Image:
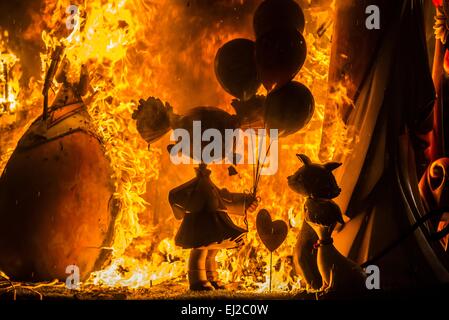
[
  {"x": 197, "y": 270},
  {"x": 211, "y": 269}
]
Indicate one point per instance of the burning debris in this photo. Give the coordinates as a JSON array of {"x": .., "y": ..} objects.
[{"x": 9, "y": 85}]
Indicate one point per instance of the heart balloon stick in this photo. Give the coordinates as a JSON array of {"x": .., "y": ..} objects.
[{"x": 271, "y": 267}]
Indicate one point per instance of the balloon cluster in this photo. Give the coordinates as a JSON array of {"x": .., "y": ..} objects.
[
  {"x": 241, "y": 67},
  {"x": 274, "y": 59}
]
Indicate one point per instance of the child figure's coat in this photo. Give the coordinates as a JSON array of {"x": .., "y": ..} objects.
[
  {"x": 206, "y": 226},
  {"x": 203, "y": 208}
]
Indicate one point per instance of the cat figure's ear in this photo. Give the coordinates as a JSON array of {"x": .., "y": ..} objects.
[
  {"x": 340, "y": 219},
  {"x": 331, "y": 166},
  {"x": 304, "y": 159}
]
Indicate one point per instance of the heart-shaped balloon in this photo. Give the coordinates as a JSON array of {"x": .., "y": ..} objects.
[{"x": 272, "y": 233}]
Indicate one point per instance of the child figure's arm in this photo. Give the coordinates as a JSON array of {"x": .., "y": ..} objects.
[{"x": 237, "y": 203}]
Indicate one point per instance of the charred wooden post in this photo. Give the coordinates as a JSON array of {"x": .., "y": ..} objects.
[{"x": 55, "y": 59}]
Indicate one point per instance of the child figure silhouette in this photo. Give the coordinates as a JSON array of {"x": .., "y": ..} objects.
[{"x": 206, "y": 226}]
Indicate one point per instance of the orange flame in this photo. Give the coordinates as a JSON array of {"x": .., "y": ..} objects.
[{"x": 9, "y": 77}]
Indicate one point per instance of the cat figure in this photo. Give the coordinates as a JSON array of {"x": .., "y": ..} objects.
[{"x": 318, "y": 184}]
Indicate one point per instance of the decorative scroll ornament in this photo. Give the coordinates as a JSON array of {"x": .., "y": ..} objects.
[
  {"x": 441, "y": 26},
  {"x": 434, "y": 190}
]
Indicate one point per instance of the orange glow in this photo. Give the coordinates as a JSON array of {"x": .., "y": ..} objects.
[{"x": 9, "y": 76}]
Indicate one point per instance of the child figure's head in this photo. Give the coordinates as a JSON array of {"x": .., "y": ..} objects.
[{"x": 315, "y": 180}]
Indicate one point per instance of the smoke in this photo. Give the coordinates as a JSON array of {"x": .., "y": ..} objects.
[
  {"x": 16, "y": 16},
  {"x": 184, "y": 33},
  {"x": 188, "y": 35}
]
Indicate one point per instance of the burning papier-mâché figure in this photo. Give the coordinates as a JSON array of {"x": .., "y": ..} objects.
[
  {"x": 318, "y": 261},
  {"x": 206, "y": 226},
  {"x": 58, "y": 172}
]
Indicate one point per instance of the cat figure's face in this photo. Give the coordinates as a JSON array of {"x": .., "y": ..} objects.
[{"x": 315, "y": 180}]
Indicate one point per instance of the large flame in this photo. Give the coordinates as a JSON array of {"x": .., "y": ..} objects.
[
  {"x": 9, "y": 76},
  {"x": 134, "y": 49}
]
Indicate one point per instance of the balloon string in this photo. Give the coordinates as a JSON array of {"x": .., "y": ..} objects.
[
  {"x": 256, "y": 179},
  {"x": 256, "y": 184},
  {"x": 245, "y": 217},
  {"x": 254, "y": 168},
  {"x": 245, "y": 214}
]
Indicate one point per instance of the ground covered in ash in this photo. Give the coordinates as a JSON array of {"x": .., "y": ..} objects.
[
  {"x": 168, "y": 290},
  {"x": 178, "y": 290}
]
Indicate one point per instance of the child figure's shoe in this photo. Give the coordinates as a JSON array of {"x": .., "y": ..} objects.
[
  {"x": 212, "y": 276},
  {"x": 201, "y": 286},
  {"x": 198, "y": 281}
]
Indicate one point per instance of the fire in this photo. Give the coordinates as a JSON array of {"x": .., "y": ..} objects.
[
  {"x": 10, "y": 73},
  {"x": 9, "y": 77},
  {"x": 134, "y": 49},
  {"x": 338, "y": 139}
]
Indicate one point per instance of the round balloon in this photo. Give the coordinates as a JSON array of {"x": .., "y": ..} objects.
[
  {"x": 280, "y": 54},
  {"x": 235, "y": 68},
  {"x": 275, "y": 14},
  {"x": 206, "y": 127},
  {"x": 289, "y": 108}
]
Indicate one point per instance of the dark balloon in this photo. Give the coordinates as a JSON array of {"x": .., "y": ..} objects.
[
  {"x": 235, "y": 68},
  {"x": 289, "y": 108},
  {"x": 280, "y": 54},
  {"x": 205, "y": 118},
  {"x": 250, "y": 112},
  {"x": 275, "y": 14}
]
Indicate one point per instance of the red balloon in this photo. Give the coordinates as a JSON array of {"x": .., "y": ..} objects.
[
  {"x": 276, "y": 14},
  {"x": 280, "y": 54},
  {"x": 235, "y": 68},
  {"x": 289, "y": 108}
]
